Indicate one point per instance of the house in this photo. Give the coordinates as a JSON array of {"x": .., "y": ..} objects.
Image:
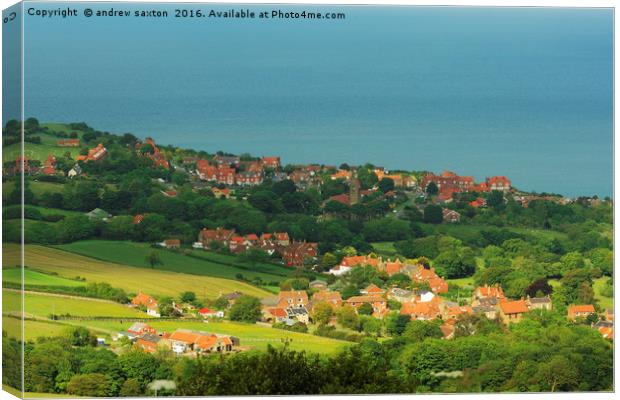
[
  {"x": 373, "y": 290},
  {"x": 220, "y": 193},
  {"x": 500, "y": 183},
  {"x": 271, "y": 162},
  {"x": 299, "y": 314},
  {"x": 76, "y": 170},
  {"x": 49, "y": 165},
  {"x": 68, "y": 143},
  {"x": 225, "y": 175},
  {"x": 580, "y": 311},
  {"x": 378, "y": 303},
  {"x": 421, "y": 311},
  {"x": 478, "y": 203},
  {"x": 539, "y": 303},
  {"x": 146, "y": 301},
  {"x": 184, "y": 340},
  {"x": 282, "y": 238},
  {"x": 447, "y": 330},
  {"x": 232, "y": 297},
  {"x": 208, "y": 313},
  {"x": 609, "y": 314},
  {"x": 150, "y": 343},
  {"x": 487, "y": 295},
  {"x": 331, "y": 297},
  {"x": 512, "y": 311},
  {"x": 488, "y": 311},
  {"x": 275, "y": 314},
  {"x": 339, "y": 270},
  {"x": 297, "y": 253},
  {"x": 221, "y": 235},
  {"x": 318, "y": 284},
  {"x": 95, "y": 154},
  {"x": 249, "y": 178},
  {"x": 293, "y": 299},
  {"x": 607, "y": 332},
  {"x": 400, "y": 295},
  {"x": 449, "y": 182},
  {"x": 158, "y": 158},
  {"x": 342, "y": 174},
  {"x": 436, "y": 283},
  {"x": 450, "y": 216},
  {"x": 169, "y": 193},
  {"x": 227, "y": 160},
  {"x": 140, "y": 328},
  {"x": 98, "y": 213},
  {"x": 455, "y": 311},
  {"x": 171, "y": 243}
]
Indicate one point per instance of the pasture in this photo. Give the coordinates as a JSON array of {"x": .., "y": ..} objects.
[
  {"x": 198, "y": 262},
  {"x": 35, "y": 278},
  {"x": 44, "y": 304},
  {"x": 131, "y": 279}
]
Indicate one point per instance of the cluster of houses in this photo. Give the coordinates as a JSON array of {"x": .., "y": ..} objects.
[
  {"x": 181, "y": 341},
  {"x": 448, "y": 183},
  {"x": 417, "y": 272},
  {"x": 230, "y": 170},
  {"x": 293, "y": 253},
  {"x": 158, "y": 158}
]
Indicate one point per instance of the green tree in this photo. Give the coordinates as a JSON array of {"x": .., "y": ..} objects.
[
  {"x": 188, "y": 297},
  {"x": 322, "y": 313},
  {"x": 432, "y": 189},
  {"x": 365, "y": 309},
  {"x": 347, "y": 317},
  {"x": 90, "y": 385},
  {"x": 246, "y": 309},
  {"x": 153, "y": 259},
  {"x": 433, "y": 214},
  {"x": 131, "y": 388}
]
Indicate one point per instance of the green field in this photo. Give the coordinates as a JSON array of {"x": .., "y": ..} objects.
[
  {"x": 384, "y": 248},
  {"x": 33, "y": 395},
  {"x": 38, "y": 188},
  {"x": 32, "y": 329},
  {"x": 34, "y": 278},
  {"x": 468, "y": 231},
  {"x": 463, "y": 282},
  {"x": 252, "y": 335},
  {"x": 131, "y": 279},
  {"x": 44, "y": 304},
  {"x": 604, "y": 302},
  {"x": 203, "y": 263}
]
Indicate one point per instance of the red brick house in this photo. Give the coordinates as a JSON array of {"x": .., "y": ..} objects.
[
  {"x": 297, "y": 253},
  {"x": 580, "y": 311},
  {"x": 271, "y": 162}
]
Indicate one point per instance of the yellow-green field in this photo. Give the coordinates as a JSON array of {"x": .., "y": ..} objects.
[
  {"x": 32, "y": 395},
  {"x": 131, "y": 279},
  {"x": 44, "y": 304},
  {"x": 35, "y": 278},
  {"x": 32, "y": 329},
  {"x": 603, "y": 301},
  {"x": 251, "y": 335}
]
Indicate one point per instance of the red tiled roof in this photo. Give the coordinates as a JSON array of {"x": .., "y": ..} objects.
[
  {"x": 513, "y": 307},
  {"x": 586, "y": 308}
]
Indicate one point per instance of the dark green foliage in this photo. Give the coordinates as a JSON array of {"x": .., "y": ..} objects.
[{"x": 245, "y": 309}]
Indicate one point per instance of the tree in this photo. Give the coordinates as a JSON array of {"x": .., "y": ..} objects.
[
  {"x": 539, "y": 286},
  {"x": 396, "y": 324},
  {"x": 495, "y": 200},
  {"x": 386, "y": 185},
  {"x": 188, "y": 297},
  {"x": 131, "y": 388},
  {"x": 90, "y": 385},
  {"x": 81, "y": 336},
  {"x": 420, "y": 330},
  {"x": 347, "y": 317},
  {"x": 322, "y": 313},
  {"x": 432, "y": 189},
  {"x": 365, "y": 309},
  {"x": 433, "y": 214},
  {"x": 559, "y": 374},
  {"x": 246, "y": 309},
  {"x": 153, "y": 259}
]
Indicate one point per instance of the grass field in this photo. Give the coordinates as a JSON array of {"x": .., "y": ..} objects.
[
  {"x": 603, "y": 301},
  {"x": 14, "y": 275},
  {"x": 462, "y": 282},
  {"x": 255, "y": 336},
  {"x": 36, "y": 187},
  {"x": 48, "y": 145},
  {"x": 131, "y": 279},
  {"x": 44, "y": 304},
  {"x": 134, "y": 254},
  {"x": 466, "y": 231},
  {"x": 33, "y": 395},
  {"x": 384, "y": 248},
  {"x": 32, "y": 329}
]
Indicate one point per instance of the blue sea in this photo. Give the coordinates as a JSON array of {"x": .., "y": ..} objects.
[{"x": 521, "y": 92}]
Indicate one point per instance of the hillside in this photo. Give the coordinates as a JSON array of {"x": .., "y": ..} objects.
[{"x": 131, "y": 279}]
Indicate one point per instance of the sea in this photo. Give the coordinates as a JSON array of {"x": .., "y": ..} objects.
[{"x": 521, "y": 92}]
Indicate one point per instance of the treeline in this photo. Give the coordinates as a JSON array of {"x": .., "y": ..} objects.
[{"x": 543, "y": 353}]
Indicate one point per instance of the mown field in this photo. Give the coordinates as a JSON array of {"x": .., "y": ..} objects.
[
  {"x": 34, "y": 278},
  {"x": 200, "y": 263},
  {"x": 48, "y": 145},
  {"x": 465, "y": 231},
  {"x": 32, "y": 329},
  {"x": 603, "y": 301},
  {"x": 152, "y": 281},
  {"x": 38, "y": 188},
  {"x": 44, "y": 304}
]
